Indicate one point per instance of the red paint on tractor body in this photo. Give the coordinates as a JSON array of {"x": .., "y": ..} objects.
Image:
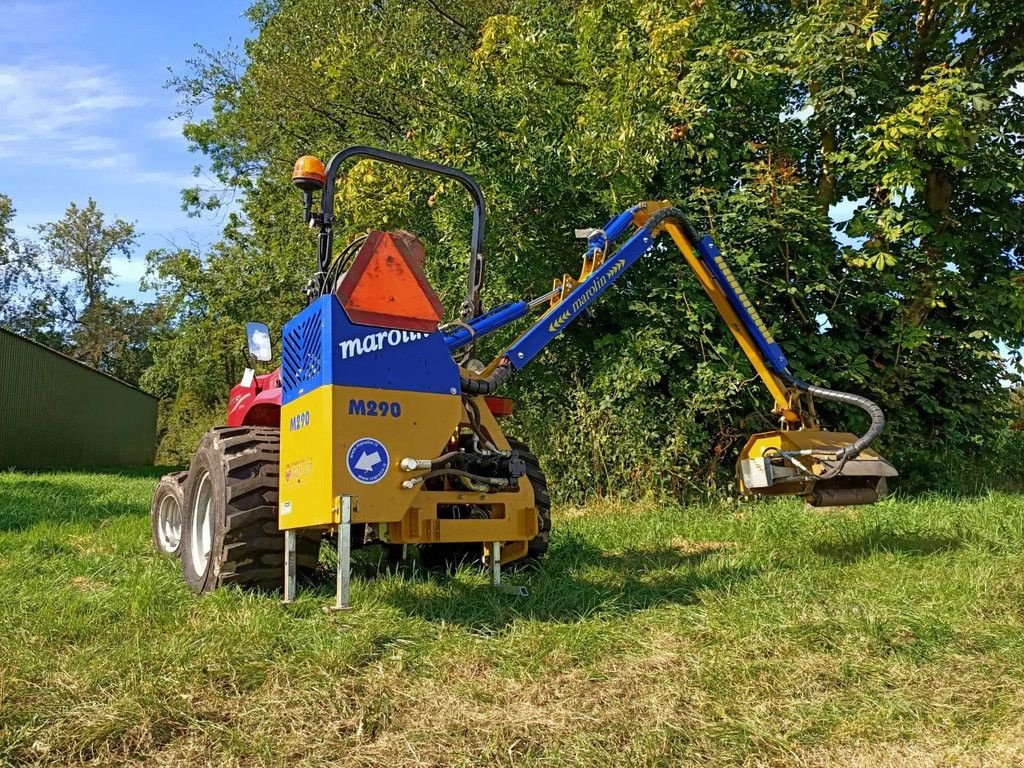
[
  {"x": 259, "y": 404},
  {"x": 256, "y": 405}
]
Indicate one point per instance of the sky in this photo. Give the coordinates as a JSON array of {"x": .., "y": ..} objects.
[{"x": 84, "y": 112}]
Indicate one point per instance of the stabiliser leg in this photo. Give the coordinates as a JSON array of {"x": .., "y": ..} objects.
[
  {"x": 342, "y": 600},
  {"x": 289, "y": 566},
  {"x": 496, "y": 574}
]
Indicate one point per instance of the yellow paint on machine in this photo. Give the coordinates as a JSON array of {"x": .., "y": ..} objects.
[{"x": 319, "y": 428}]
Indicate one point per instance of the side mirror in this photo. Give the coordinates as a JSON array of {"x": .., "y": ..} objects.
[{"x": 258, "y": 336}]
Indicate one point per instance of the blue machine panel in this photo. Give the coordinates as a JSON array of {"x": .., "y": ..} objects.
[
  {"x": 320, "y": 345},
  {"x": 712, "y": 258}
]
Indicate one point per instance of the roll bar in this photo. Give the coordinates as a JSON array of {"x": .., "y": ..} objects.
[{"x": 472, "y": 306}]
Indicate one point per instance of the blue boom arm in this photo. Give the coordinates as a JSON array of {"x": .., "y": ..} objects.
[
  {"x": 573, "y": 302},
  {"x": 569, "y": 299}
]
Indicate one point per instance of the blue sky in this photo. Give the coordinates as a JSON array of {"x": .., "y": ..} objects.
[{"x": 84, "y": 112}]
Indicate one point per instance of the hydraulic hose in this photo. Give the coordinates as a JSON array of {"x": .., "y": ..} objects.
[
  {"x": 684, "y": 223},
  {"x": 869, "y": 407},
  {"x": 489, "y": 384},
  {"x": 877, "y": 416}
]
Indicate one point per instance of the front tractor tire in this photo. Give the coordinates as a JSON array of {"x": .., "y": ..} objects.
[
  {"x": 167, "y": 512},
  {"x": 230, "y": 533}
]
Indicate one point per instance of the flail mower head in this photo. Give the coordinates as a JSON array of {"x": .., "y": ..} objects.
[{"x": 809, "y": 463}]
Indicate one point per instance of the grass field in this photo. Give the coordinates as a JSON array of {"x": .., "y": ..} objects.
[{"x": 760, "y": 634}]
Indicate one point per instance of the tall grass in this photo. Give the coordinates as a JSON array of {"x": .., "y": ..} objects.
[{"x": 752, "y": 634}]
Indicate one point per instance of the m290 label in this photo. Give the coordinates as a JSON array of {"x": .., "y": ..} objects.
[
  {"x": 298, "y": 421},
  {"x": 374, "y": 408}
]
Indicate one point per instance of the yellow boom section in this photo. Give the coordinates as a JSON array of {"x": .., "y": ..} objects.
[{"x": 782, "y": 396}]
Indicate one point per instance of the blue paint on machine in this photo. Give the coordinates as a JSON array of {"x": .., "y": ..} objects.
[
  {"x": 712, "y": 259},
  {"x": 368, "y": 460},
  {"x": 320, "y": 346}
]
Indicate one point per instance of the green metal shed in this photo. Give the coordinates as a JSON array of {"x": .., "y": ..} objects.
[{"x": 56, "y": 412}]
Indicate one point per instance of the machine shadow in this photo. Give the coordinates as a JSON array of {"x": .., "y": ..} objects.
[
  {"x": 884, "y": 542},
  {"x": 576, "y": 581}
]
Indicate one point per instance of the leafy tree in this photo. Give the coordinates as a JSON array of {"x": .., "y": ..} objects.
[
  {"x": 19, "y": 267},
  {"x": 58, "y": 291},
  {"x": 82, "y": 245},
  {"x": 764, "y": 122}
]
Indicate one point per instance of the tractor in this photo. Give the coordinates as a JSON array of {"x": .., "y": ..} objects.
[{"x": 381, "y": 425}]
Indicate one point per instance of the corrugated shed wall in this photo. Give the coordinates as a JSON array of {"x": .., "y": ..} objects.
[{"x": 56, "y": 412}]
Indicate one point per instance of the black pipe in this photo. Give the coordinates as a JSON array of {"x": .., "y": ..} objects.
[
  {"x": 869, "y": 407},
  {"x": 490, "y": 384}
]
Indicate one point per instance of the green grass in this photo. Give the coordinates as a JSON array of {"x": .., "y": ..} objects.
[{"x": 755, "y": 634}]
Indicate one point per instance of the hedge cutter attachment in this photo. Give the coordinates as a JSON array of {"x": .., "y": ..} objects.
[{"x": 799, "y": 458}]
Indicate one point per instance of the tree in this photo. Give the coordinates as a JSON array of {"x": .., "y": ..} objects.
[
  {"x": 81, "y": 245},
  {"x": 19, "y": 268},
  {"x": 761, "y": 120},
  {"x": 77, "y": 312},
  {"x": 58, "y": 291}
]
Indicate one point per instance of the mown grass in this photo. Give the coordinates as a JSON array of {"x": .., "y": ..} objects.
[{"x": 755, "y": 634}]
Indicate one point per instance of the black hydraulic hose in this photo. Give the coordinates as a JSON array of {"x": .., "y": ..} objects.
[
  {"x": 489, "y": 384},
  {"x": 684, "y": 223},
  {"x": 877, "y": 416},
  {"x": 869, "y": 407},
  {"x": 501, "y": 481}
]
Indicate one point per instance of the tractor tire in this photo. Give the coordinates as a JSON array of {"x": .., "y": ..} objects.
[
  {"x": 451, "y": 556},
  {"x": 538, "y": 546},
  {"x": 230, "y": 533},
  {"x": 166, "y": 513}
]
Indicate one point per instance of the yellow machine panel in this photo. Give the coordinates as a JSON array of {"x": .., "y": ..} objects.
[{"x": 339, "y": 440}]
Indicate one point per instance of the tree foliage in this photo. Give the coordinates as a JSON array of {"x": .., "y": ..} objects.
[
  {"x": 58, "y": 290},
  {"x": 861, "y": 164},
  {"x": 19, "y": 266}
]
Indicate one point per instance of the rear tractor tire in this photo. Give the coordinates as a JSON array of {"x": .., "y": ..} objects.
[
  {"x": 166, "y": 513},
  {"x": 538, "y": 546},
  {"x": 230, "y": 533}
]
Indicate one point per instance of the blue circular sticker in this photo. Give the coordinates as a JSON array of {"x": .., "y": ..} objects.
[{"x": 368, "y": 460}]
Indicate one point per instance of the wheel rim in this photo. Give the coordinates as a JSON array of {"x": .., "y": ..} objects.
[
  {"x": 202, "y": 525},
  {"x": 169, "y": 523}
]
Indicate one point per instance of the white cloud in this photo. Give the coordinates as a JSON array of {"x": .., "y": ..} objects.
[
  {"x": 66, "y": 112},
  {"x": 59, "y": 110}
]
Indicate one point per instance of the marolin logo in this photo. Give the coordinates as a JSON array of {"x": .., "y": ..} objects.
[{"x": 595, "y": 288}]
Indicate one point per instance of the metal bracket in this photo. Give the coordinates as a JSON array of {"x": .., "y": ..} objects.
[{"x": 508, "y": 589}]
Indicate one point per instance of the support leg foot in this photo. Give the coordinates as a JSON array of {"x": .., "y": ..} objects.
[{"x": 508, "y": 589}]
